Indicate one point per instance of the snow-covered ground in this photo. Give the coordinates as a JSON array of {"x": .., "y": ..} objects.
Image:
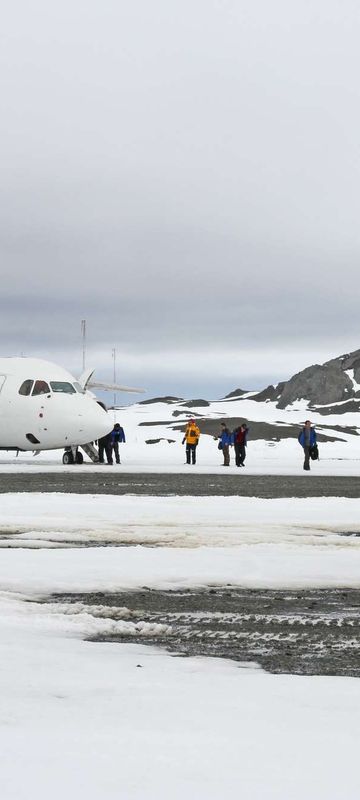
[
  {"x": 85, "y": 720},
  {"x": 99, "y": 720},
  {"x": 187, "y": 541}
]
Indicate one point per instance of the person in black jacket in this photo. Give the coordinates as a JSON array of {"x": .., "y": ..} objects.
[
  {"x": 117, "y": 437},
  {"x": 105, "y": 446}
]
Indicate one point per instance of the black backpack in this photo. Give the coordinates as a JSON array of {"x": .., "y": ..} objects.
[{"x": 314, "y": 452}]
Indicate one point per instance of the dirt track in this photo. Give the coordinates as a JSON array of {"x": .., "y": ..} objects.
[{"x": 307, "y": 632}]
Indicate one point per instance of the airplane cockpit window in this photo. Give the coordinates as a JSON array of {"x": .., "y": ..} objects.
[
  {"x": 41, "y": 387},
  {"x": 26, "y": 387},
  {"x": 79, "y": 388},
  {"x": 62, "y": 386}
]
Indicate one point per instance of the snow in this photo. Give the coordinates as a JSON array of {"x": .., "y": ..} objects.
[
  {"x": 271, "y": 458},
  {"x": 351, "y": 374},
  {"x": 176, "y": 542},
  {"x": 105, "y": 720},
  {"x": 85, "y": 720}
]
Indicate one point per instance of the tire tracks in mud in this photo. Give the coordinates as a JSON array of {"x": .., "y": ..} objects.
[{"x": 303, "y": 632}]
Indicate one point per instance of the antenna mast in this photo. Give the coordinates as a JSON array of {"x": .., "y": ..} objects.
[
  {"x": 114, "y": 376},
  {"x": 83, "y": 334}
]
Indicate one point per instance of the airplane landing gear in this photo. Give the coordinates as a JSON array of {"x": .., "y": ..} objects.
[
  {"x": 72, "y": 456},
  {"x": 68, "y": 457}
]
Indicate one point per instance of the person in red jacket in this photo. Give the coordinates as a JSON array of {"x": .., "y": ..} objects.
[{"x": 240, "y": 441}]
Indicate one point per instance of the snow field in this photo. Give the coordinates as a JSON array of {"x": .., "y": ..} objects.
[{"x": 99, "y": 720}]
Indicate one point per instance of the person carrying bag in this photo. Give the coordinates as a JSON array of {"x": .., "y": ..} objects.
[{"x": 307, "y": 440}]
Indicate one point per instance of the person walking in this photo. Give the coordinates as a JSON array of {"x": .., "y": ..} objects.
[
  {"x": 307, "y": 439},
  {"x": 117, "y": 437},
  {"x": 191, "y": 437},
  {"x": 105, "y": 446},
  {"x": 225, "y": 440},
  {"x": 240, "y": 441}
]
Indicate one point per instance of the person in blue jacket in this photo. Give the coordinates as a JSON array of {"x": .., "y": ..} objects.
[
  {"x": 225, "y": 440},
  {"x": 117, "y": 437},
  {"x": 307, "y": 439}
]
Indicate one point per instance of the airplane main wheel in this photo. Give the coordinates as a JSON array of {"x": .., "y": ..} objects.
[
  {"x": 68, "y": 457},
  {"x": 79, "y": 458}
]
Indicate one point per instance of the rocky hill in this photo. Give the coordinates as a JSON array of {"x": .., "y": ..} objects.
[{"x": 322, "y": 385}]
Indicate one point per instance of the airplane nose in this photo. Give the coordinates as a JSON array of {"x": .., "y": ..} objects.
[
  {"x": 106, "y": 424},
  {"x": 95, "y": 422},
  {"x": 101, "y": 423}
]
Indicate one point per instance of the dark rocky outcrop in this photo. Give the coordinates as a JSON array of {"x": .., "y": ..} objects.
[
  {"x": 319, "y": 384},
  {"x": 348, "y": 361},
  {"x": 236, "y": 393},
  {"x": 166, "y": 399},
  {"x": 195, "y": 403},
  {"x": 352, "y": 406},
  {"x": 270, "y": 393},
  {"x": 324, "y": 384},
  {"x": 156, "y": 441},
  {"x": 188, "y": 414},
  {"x": 257, "y": 430},
  {"x": 153, "y": 423}
]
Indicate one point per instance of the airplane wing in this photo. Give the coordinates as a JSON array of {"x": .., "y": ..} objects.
[
  {"x": 112, "y": 387},
  {"x": 86, "y": 383}
]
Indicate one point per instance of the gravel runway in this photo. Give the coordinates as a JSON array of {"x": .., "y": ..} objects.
[{"x": 165, "y": 484}]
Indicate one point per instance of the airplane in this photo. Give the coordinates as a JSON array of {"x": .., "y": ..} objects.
[{"x": 43, "y": 407}]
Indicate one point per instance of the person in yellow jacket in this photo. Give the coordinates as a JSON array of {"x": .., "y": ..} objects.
[{"x": 191, "y": 437}]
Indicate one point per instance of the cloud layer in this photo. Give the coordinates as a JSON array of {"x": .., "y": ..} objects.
[{"x": 185, "y": 176}]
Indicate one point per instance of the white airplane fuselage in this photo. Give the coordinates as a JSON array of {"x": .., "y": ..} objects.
[{"x": 42, "y": 407}]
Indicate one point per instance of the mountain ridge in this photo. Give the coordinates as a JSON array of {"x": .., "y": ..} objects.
[{"x": 323, "y": 386}]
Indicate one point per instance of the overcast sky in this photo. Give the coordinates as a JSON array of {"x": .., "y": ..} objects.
[{"x": 184, "y": 174}]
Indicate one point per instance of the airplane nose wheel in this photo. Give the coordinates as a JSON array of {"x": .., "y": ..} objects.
[{"x": 70, "y": 457}]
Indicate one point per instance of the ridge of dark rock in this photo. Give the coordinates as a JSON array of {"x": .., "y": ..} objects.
[
  {"x": 270, "y": 393},
  {"x": 236, "y": 393},
  {"x": 166, "y": 399},
  {"x": 199, "y": 403}
]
